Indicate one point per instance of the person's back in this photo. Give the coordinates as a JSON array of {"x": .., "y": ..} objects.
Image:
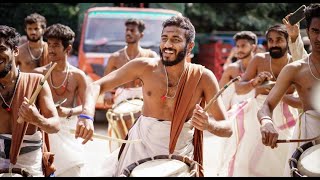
[{"x": 33, "y": 53}]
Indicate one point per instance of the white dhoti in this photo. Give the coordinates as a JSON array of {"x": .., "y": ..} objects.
[
  {"x": 122, "y": 94},
  {"x": 230, "y": 97},
  {"x": 68, "y": 150},
  {"x": 30, "y": 157},
  {"x": 155, "y": 136},
  {"x": 245, "y": 155},
  {"x": 308, "y": 126}
]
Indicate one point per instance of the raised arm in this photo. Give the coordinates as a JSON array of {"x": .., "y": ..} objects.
[{"x": 295, "y": 42}]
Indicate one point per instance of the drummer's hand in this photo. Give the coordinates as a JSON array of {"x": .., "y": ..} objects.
[
  {"x": 84, "y": 129},
  {"x": 63, "y": 111},
  {"x": 108, "y": 99},
  {"x": 269, "y": 133},
  {"x": 293, "y": 30},
  {"x": 261, "y": 77},
  {"x": 200, "y": 119},
  {"x": 263, "y": 90},
  {"x": 29, "y": 112}
]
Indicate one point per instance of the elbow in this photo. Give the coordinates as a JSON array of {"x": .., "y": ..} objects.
[
  {"x": 229, "y": 132},
  {"x": 55, "y": 127}
]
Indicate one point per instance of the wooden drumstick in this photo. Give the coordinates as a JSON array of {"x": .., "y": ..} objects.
[
  {"x": 297, "y": 140},
  {"x": 99, "y": 136},
  {"x": 39, "y": 87},
  {"x": 220, "y": 92}
]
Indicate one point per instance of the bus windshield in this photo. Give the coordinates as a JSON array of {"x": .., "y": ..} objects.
[{"x": 105, "y": 31}]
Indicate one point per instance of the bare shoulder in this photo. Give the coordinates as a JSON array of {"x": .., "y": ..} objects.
[
  {"x": 22, "y": 50},
  {"x": 233, "y": 67},
  {"x": 296, "y": 65},
  {"x": 42, "y": 69},
  {"x": 117, "y": 54},
  {"x": 208, "y": 76},
  {"x": 76, "y": 71},
  {"x": 259, "y": 57},
  {"x": 149, "y": 53},
  {"x": 23, "y": 46}
]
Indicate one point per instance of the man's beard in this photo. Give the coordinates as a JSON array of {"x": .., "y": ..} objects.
[
  {"x": 6, "y": 70},
  {"x": 180, "y": 57},
  {"x": 245, "y": 56},
  {"x": 277, "y": 54},
  {"x": 33, "y": 40}
]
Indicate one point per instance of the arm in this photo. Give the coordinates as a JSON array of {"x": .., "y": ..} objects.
[
  {"x": 108, "y": 98},
  {"x": 226, "y": 76},
  {"x": 251, "y": 79},
  {"x": 295, "y": 42},
  {"x": 292, "y": 101},
  {"x": 217, "y": 123},
  {"x": 284, "y": 80},
  {"x": 48, "y": 120},
  {"x": 129, "y": 72}
]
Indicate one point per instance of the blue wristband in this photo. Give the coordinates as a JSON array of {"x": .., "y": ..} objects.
[{"x": 85, "y": 117}]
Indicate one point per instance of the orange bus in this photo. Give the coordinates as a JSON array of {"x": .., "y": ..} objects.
[{"x": 103, "y": 32}]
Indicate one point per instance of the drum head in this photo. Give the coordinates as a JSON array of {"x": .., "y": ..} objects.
[
  {"x": 161, "y": 168},
  {"x": 309, "y": 162},
  {"x": 127, "y": 106}
]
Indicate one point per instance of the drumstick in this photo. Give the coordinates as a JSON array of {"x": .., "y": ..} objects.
[
  {"x": 39, "y": 87},
  {"x": 297, "y": 140},
  {"x": 220, "y": 92},
  {"x": 99, "y": 136}
]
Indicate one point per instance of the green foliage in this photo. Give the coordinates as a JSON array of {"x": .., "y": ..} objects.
[
  {"x": 209, "y": 17},
  {"x": 13, "y": 14}
]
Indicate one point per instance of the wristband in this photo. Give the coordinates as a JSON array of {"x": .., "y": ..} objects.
[
  {"x": 85, "y": 117},
  {"x": 265, "y": 117}
]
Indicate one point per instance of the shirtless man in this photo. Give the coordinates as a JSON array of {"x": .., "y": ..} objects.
[
  {"x": 249, "y": 157},
  {"x": 172, "y": 91},
  {"x": 34, "y": 52},
  {"x": 304, "y": 75},
  {"x": 246, "y": 44},
  {"x": 15, "y": 90},
  {"x": 66, "y": 82},
  {"x": 134, "y": 33}
]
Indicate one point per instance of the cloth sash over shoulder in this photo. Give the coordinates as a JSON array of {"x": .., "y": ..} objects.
[
  {"x": 186, "y": 89},
  {"x": 26, "y": 86},
  {"x": 44, "y": 57}
]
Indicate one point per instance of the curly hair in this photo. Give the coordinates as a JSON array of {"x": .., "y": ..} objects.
[
  {"x": 61, "y": 32},
  {"x": 9, "y": 36},
  {"x": 184, "y": 23},
  {"x": 35, "y": 18}
]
